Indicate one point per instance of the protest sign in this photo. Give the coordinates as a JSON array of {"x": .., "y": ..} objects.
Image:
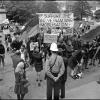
[
  {"x": 55, "y": 31},
  {"x": 6, "y": 31},
  {"x": 33, "y": 45},
  {"x": 69, "y": 31},
  {"x": 50, "y": 38},
  {"x": 56, "y": 20}
]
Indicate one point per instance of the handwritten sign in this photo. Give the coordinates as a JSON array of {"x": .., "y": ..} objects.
[
  {"x": 33, "y": 45},
  {"x": 55, "y": 31},
  {"x": 50, "y": 38},
  {"x": 56, "y": 20},
  {"x": 6, "y": 31}
]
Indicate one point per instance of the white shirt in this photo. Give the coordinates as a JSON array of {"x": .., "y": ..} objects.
[{"x": 22, "y": 55}]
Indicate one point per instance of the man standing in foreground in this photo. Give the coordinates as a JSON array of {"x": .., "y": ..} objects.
[{"x": 55, "y": 69}]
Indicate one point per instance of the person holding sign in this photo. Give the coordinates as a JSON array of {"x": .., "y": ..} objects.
[{"x": 38, "y": 63}]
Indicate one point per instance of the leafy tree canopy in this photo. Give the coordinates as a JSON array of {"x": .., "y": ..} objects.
[{"x": 82, "y": 9}]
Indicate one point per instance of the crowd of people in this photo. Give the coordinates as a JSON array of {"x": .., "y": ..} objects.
[{"x": 69, "y": 52}]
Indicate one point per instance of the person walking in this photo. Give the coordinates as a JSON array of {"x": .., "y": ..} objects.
[
  {"x": 21, "y": 83},
  {"x": 54, "y": 70},
  {"x": 2, "y": 54},
  {"x": 38, "y": 63}
]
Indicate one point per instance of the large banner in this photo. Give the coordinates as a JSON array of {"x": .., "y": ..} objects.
[
  {"x": 53, "y": 20},
  {"x": 50, "y": 38}
]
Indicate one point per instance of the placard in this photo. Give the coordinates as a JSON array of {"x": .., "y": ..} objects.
[
  {"x": 50, "y": 38},
  {"x": 6, "y": 31},
  {"x": 55, "y": 31},
  {"x": 33, "y": 45},
  {"x": 52, "y": 20}
]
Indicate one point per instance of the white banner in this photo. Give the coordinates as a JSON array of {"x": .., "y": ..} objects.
[{"x": 56, "y": 20}]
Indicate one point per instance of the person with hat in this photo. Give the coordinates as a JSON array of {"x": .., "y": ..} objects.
[{"x": 54, "y": 70}]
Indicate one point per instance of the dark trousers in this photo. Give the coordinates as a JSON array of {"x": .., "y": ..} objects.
[
  {"x": 50, "y": 86},
  {"x": 20, "y": 96},
  {"x": 2, "y": 60},
  {"x": 62, "y": 89}
]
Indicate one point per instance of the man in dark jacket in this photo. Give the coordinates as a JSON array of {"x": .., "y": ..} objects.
[
  {"x": 2, "y": 54},
  {"x": 63, "y": 52}
]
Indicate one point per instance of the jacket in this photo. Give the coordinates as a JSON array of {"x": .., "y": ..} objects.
[
  {"x": 58, "y": 67},
  {"x": 38, "y": 59},
  {"x": 2, "y": 49}
]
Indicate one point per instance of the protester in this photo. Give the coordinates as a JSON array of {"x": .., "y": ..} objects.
[
  {"x": 63, "y": 52},
  {"x": 38, "y": 64},
  {"x": 54, "y": 70},
  {"x": 24, "y": 54},
  {"x": 74, "y": 62},
  {"x": 21, "y": 83},
  {"x": 16, "y": 57},
  {"x": 2, "y": 54}
]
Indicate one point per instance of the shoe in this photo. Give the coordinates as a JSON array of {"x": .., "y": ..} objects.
[
  {"x": 39, "y": 84},
  {"x": 37, "y": 80},
  {"x": 86, "y": 68},
  {"x": 1, "y": 79},
  {"x": 62, "y": 97},
  {"x": 90, "y": 64},
  {"x": 98, "y": 82},
  {"x": 40, "y": 80}
]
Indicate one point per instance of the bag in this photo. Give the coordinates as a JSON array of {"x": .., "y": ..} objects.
[
  {"x": 26, "y": 64},
  {"x": 26, "y": 83},
  {"x": 51, "y": 67},
  {"x": 25, "y": 86}
]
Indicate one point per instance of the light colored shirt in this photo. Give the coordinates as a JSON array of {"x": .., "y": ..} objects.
[{"x": 58, "y": 66}]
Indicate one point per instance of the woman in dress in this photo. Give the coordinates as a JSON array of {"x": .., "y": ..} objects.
[
  {"x": 38, "y": 63},
  {"x": 21, "y": 86}
]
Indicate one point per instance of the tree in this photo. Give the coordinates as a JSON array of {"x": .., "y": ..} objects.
[
  {"x": 20, "y": 11},
  {"x": 49, "y": 7},
  {"x": 82, "y": 9}
]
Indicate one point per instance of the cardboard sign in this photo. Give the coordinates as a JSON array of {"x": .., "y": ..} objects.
[
  {"x": 56, "y": 20},
  {"x": 50, "y": 38},
  {"x": 6, "y": 31},
  {"x": 69, "y": 31},
  {"x": 55, "y": 31},
  {"x": 33, "y": 45}
]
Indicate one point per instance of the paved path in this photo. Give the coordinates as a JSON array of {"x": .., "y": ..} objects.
[{"x": 87, "y": 91}]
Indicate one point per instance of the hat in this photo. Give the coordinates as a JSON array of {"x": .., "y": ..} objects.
[{"x": 53, "y": 47}]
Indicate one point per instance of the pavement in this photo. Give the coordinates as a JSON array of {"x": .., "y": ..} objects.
[{"x": 87, "y": 91}]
